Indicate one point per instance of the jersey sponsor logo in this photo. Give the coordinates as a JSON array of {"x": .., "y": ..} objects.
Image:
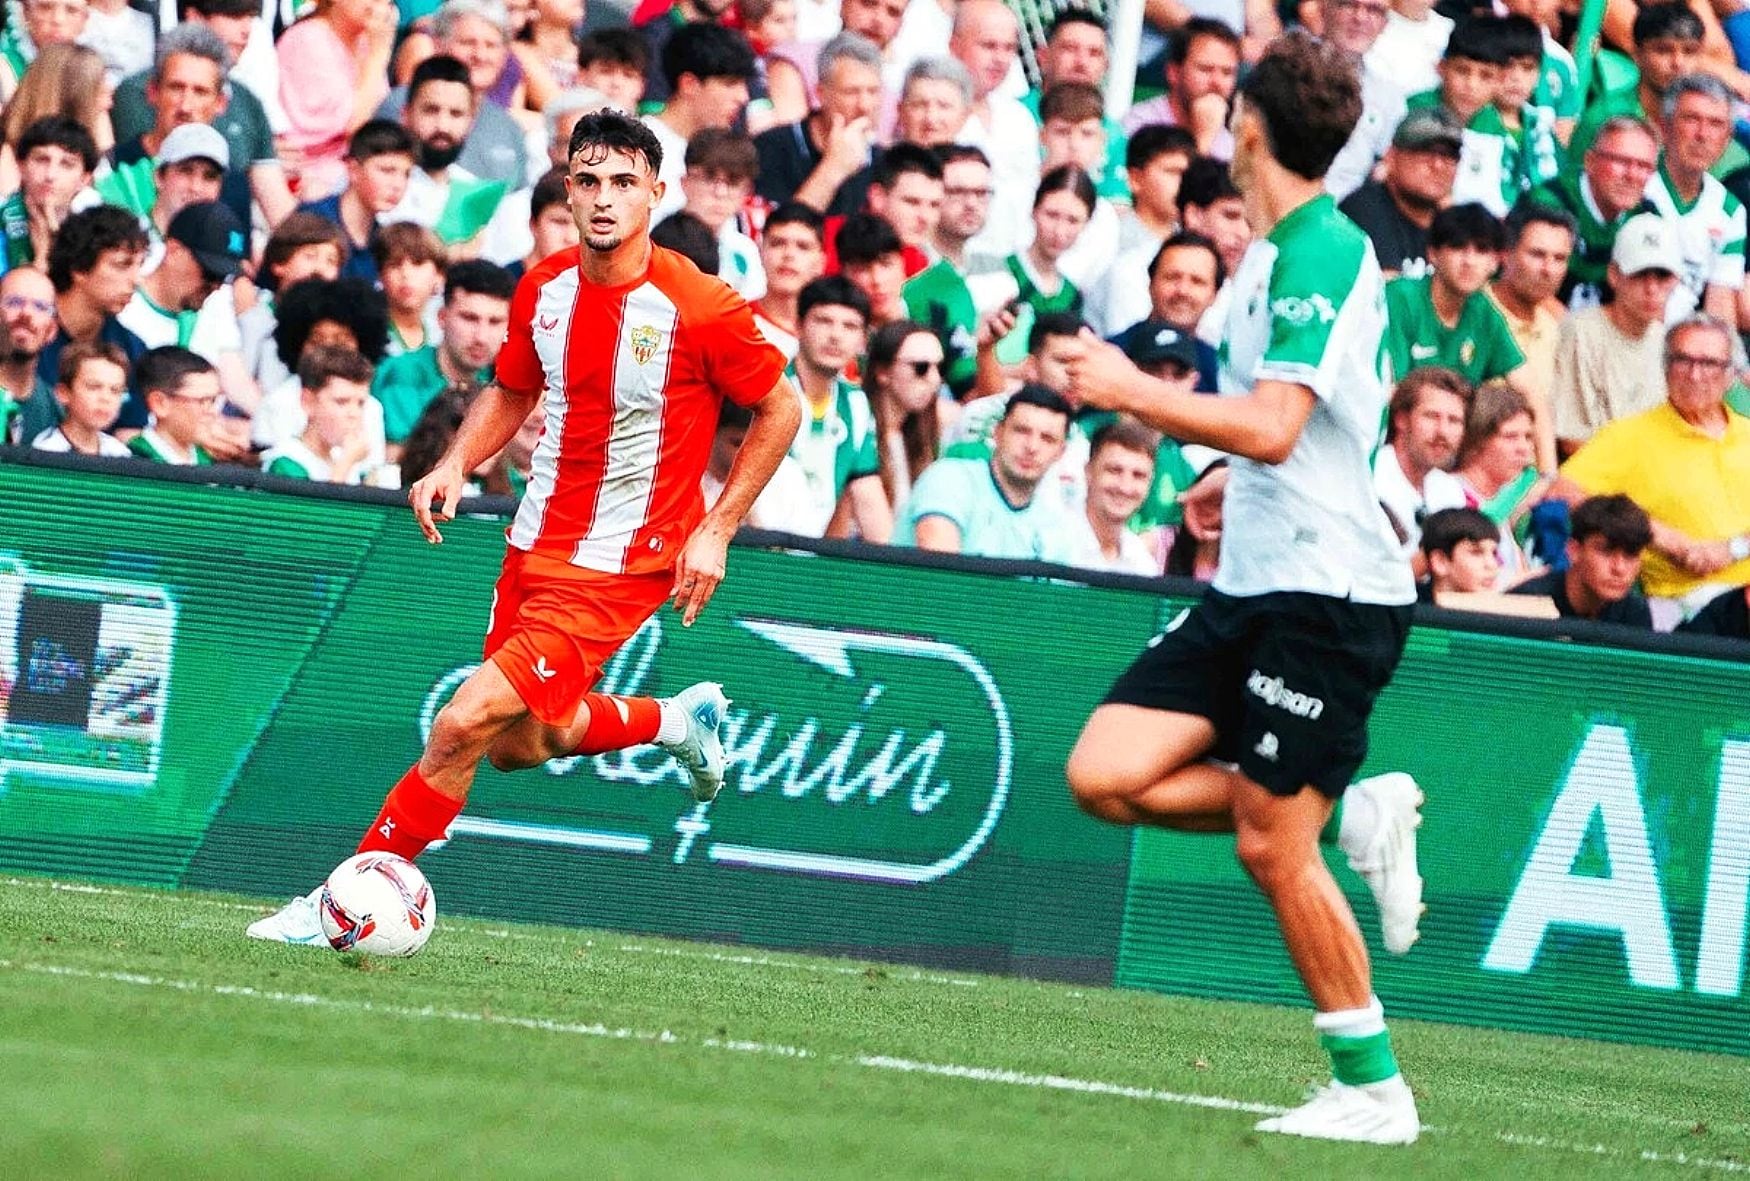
[
  {"x": 645, "y": 340},
  {"x": 1300, "y": 311},
  {"x": 542, "y": 672},
  {"x": 1423, "y": 352},
  {"x": 1274, "y": 692}
]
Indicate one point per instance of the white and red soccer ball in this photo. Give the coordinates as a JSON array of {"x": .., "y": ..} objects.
[{"x": 377, "y": 903}]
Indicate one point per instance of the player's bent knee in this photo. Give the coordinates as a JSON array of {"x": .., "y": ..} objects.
[
  {"x": 456, "y": 737},
  {"x": 1270, "y": 861}
]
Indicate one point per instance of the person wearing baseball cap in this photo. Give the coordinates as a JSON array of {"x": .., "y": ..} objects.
[
  {"x": 1609, "y": 359},
  {"x": 204, "y": 246},
  {"x": 190, "y": 167},
  {"x": 1396, "y": 211}
]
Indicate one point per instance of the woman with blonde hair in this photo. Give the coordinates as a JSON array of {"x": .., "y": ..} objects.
[{"x": 63, "y": 80}]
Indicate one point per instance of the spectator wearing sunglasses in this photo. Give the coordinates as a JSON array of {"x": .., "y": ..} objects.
[{"x": 903, "y": 381}]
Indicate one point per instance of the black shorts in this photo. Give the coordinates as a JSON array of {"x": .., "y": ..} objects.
[{"x": 1288, "y": 679}]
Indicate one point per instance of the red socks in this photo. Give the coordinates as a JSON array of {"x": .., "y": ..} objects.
[
  {"x": 413, "y": 816},
  {"x": 618, "y": 722}
]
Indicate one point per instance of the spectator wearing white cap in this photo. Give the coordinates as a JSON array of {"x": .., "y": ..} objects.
[
  {"x": 189, "y": 168},
  {"x": 1608, "y": 359}
]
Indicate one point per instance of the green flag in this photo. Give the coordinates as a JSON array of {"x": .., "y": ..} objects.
[{"x": 470, "y": 206}]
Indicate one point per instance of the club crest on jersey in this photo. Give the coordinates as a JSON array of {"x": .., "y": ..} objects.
[{"x": 644, "y": 343}]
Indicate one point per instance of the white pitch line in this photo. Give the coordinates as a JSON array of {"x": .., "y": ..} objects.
[
  {"x": 903, "y": 975},
  {"x": 979, "y": 1074}
]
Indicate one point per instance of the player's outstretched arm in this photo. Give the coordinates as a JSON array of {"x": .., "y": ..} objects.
[
  {"x": 703, "y": 561},
  {"x": 1263, "y": 425},
  {"x": 493, "y": 419}
]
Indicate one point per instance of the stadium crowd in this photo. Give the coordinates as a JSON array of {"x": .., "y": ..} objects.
[{"x": 287, "y": 235}]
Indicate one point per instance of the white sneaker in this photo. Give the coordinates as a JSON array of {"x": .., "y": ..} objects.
[
  {"x": 1384, "y": 1113},
  {"x": 295, "y": 922},
  {"x": 1388, "y": 863},
  {"x": 701, "y": 751}
]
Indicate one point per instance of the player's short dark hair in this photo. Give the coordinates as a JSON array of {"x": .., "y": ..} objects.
[
  {"x": 1307, "y": 95},
  {"x": 706, "y": 51},
  {"x": 1477, "y": 39},
  {"x": 1068, "y": 178},
  {"x": 408, "y": 240},
  {"x": 1127, "y": 433},
  {"x": 476, "y": 276},
  {"x": 1530, "y": 213},
  {"x": 1407, "y": 394},
  {"x": 86, "y": 236},
  {"x": 1623, "y": 524},
  {"x": 960, "y": 153},
  {"x": 832, "y": 291},
  {"x": 548, "y": 192},
  {"x": 795, "y": 213},
  {"x": 352, "y": 302},
  {"x": 691, "y": 238},
  {"x": 1188, "y": 34},
  {"x": 902, "y": 158},
  {"x": 614, "y": 47},
  {"x": 1674, "y": 21},
  {"x": 865, "y": 238},
  {"x": 1520, "y": 37},
  {"x": 1033, "y": 394},
  {"x": 211, "y": 8},
  {"x": 163, "y": 370},
  {"x": 440, "y": 67},
  {"x": 612, "y": 131},
  {"x": 1156, "y": 140},
  {"x": 1072, "y": 102},
  {"x": 379, "y": 137},
  {"x": 298, "y": 230},
  {"x": 1052, "y": 324},
  {"x": 82, "y": 352},
  {"x": 1073, "y": 16},
  {"x": 1443, "y": 531},
  {"x": 1206, "y": 181},
  {"x": 326, "y": 363},
  {"x": 58, "y": 131},
  {"x": 1190, "y": 240},
  {"x": 718, "y": 149},
  {"x": 1468, "y": 224}
]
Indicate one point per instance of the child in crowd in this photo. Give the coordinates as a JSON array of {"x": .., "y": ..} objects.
[
  {"x": 613, "y": 62},
  {"x": 1460, "y": 546},
  {"x": 550, "y": 222},
  {"x": 93, "y": 382},
  {"x": 721, "y": 167},
  {"x": 411, "y": 262},
  {"x": 333, "y": 447},
  {"x": 182, "y": 395}
]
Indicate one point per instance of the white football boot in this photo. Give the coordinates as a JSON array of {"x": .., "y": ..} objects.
[
  {"x": 295, "y": 922},
  {"x": 1388, "y": 862},
  {"x": 1384, "y": 1113},
  {"x": 701, "y": 750}
]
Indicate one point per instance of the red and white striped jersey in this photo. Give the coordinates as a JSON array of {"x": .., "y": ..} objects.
[{"x": 633, "y": 379}]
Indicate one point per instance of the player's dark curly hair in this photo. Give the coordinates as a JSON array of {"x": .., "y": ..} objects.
[
  {"x": 610, "y": 131},
  {"x": 1307, "y": 93},
  {"x": 350, "y": 302},
  {"x": 83, "y": 238}
]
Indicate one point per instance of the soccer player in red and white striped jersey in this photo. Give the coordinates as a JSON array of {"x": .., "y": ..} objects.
[{"x": 629, "y": 351}]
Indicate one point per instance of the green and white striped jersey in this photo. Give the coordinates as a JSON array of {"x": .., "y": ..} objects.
[
  {"x": 1309, "y": 308},
  {"x": 1710, "y": 232}
]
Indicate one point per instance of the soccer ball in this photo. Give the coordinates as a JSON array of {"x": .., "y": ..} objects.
[{"x": 377, "y": 903}]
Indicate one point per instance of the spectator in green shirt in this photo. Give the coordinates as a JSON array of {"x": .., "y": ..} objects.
[
  {"x": 472, "y": 322},
  {"x": 182, "y": 396},
  {"x": 55, "y": 158},
  {"x": 333, "y": 447}
]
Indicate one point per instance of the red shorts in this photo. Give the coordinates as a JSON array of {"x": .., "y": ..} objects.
[{"x": 554, "y": 626}]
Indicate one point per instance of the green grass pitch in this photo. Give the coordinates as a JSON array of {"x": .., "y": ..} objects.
[{"x": 142, "y": 1036}]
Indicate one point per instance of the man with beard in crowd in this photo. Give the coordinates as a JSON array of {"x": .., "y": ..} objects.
[
  {"x": 441, "y": 195},
  {"x": 27, "y": 323}
]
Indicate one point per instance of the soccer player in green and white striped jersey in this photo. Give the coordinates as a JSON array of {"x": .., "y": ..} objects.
[
  {"x": 1275, "y": 672},
  {"x": 1697, "y": 124}
]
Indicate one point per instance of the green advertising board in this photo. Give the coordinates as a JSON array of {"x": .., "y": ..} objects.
[{"x": 213, "y": 687}]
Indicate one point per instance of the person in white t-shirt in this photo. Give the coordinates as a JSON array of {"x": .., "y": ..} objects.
[
  {"x": 721, "y": 166},
  {"x": 708, "y": 68},
  {"x": 1121, "y": 470},
  {"x": 793, "y": 255},
  {"x": 783, "y": 505},
  {"x": 1411, "y": 44},
  {"x": 986, "y": 40},
  {"x": 1412, "y": 473},
  {"x": 94, "y": 380}
]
